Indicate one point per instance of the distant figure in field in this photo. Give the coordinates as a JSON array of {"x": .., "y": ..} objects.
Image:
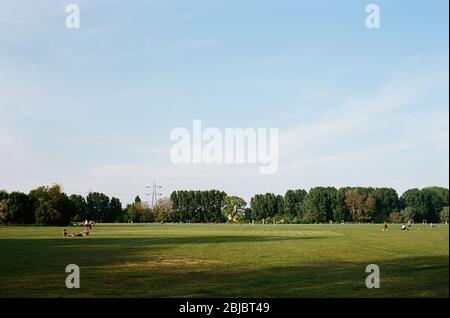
[
  {"x": 65, "y": 234},
  {"x": 82, "y": 234},
  {"x": 386, "y": 227},
  {"x": 88, "y": 224}
]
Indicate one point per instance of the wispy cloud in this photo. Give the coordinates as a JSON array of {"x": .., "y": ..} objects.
[
  {"x": 307, "y": 150},
  {"x": 360, "y": 114}
]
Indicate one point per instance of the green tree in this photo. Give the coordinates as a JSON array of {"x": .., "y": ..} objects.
[
  {"x": 132, "y": 214},
  {"x": 115, "y": 212},
  {"x": 441, "y": 193},
  {"x": 340, "y": 209},
  {"x": 293, "y": 200},
  {"x": 97, "y": 206},
  {"x": 360, "y": 203},
  {"x": 386, "y": 202},
  {"x": 397, "y": 217},
  {"x": 139, "y": 212},
  {"x": 266, "y": 206},
  {"x": 415, "y": 199},
  {"x": 79, "y": 207},
  {"x": 46, "y": 214},
  {"x": 52, "y": 205},
  {"x": 233, "y": 206},
  {"x": 145, "y": 213},
  {"x": 4, "y": 215},
  {"x": 437, "y": 199},
  {"x": 410, "y": 213},
  {"x": 3, "y": 195},
  {"x": 318, "y": 205},
  {"x": 163, "y": 210},
  {"x": 428, "y": 202},
  {"x": 198, "y": 206}
]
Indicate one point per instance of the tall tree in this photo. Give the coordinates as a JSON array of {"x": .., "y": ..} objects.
[
  {"x": 163, "y": 210},
  {"x": 360, "y": 203},
  {"x": 386, "y": 202},
  {"x": 115, "y": 210},
  {"x": 97, "y": 206},
  {"x": 52, "y": 205},
  {"x": 293, "y": 200},
  {"x": 17, "y": 208},
  {"x": 419, "y": 201},
  {"x": 233, "y": 206},
  {"x": 437, "y": 198},
  {"x": 198, "y": 206},
  {"x": 266, "y": 206},
  {"x": 79, "y": 207},
  {"x": 340, "y": 209},
  {"x": 318, "y": 205}
]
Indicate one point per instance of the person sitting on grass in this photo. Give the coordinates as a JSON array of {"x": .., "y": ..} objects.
[
  {"x": 386, "y": 228},
  {"x": 88, "y": 224}
]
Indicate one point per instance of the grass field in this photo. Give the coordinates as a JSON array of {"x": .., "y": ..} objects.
[{"x": 225, "y": 260}]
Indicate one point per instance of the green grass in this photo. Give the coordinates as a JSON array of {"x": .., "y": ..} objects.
[{"x": 225, "y": 260}]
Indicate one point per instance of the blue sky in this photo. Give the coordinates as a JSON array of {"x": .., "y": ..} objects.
[{"x": 93, "y": 108}]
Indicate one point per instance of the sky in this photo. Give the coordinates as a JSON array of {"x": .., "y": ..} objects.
[{"x": 93, "y": 108}]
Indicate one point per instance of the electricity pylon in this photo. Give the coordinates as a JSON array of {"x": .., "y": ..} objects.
[{"x": 155, "y": 193}]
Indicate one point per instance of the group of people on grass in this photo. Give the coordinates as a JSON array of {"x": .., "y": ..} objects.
[
  {"x": 406, "y": 226},
  {"x": 87, "y": 226}
]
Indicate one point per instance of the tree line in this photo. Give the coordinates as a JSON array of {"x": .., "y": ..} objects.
[
  {"x": 51, "y": 206},
  {"x": 352, "y": 204}
]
